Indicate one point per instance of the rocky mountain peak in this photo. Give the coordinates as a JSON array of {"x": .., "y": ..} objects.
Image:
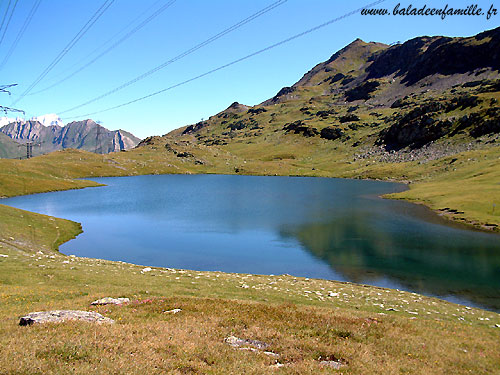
[
  {"x": 237, "y": 107},
  {"x": 348, "y": 60},
  {"x": 85, "y": 134},
  {"x": 48, "y": 120}
]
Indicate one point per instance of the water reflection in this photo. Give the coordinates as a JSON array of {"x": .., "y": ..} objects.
[{"x": 442, "y": 263}]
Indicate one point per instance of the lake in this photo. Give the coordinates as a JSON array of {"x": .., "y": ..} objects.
[{"x": 334, "y": 229}]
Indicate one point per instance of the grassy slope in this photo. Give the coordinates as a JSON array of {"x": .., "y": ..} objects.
[
  {"x": 10, "y": 148},
  {"x": 372, "y": 330},
  {"x": 473, "y": 186}
]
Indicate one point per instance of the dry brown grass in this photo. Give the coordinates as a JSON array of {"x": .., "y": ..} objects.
[{"x": 146, "y": 340}]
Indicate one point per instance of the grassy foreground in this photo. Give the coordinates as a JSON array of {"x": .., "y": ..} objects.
[{"x": 370, "y": 330}]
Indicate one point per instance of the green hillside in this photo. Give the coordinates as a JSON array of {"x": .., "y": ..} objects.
[{"x": 10, "y": 148}]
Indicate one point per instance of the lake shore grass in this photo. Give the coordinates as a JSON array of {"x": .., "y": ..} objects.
[{"x": 368, "y": 330}]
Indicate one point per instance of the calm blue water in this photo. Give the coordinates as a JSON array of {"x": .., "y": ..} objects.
[{"x": 315, "y": 227}]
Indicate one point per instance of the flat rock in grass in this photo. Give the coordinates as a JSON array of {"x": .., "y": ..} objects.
[
  {"x": 110, "y": 301},
  {"x": 278, "y": 365},
  {"x": 237, "y": 342},
  {"x": 271, "y": 354},
  {"x": 333, "y": 364},
  {"x": 173, "y": 311},
  {"x": 57, "y": 316}
]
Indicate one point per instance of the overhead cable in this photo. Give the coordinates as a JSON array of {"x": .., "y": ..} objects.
[
  {"x": 8, "y": 22},
  {"x": 230, "y": 63},
  {"x": 182, "y": 55},
  {"x": 113, "y": 46},
  {"x": 21, "y": 32},
  {"x": 69, "y": 46},
  {"x": 5, "y": 15}
]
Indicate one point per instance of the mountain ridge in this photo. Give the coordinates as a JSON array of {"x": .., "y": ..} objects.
[
  {"x": 368, "y": 85},
  {"x": 86, "y": 135}
]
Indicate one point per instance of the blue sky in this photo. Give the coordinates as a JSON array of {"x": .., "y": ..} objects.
[{"x": 183, "y": 25}]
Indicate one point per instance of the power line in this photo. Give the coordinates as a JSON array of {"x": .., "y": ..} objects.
[
  {"x": 111, "y": 39},
  {"x": 21, "y": 33},
  {"x": 5, "y": 89},
  {"x": 8, "y": 22},
  {"x": 183, "y": 54},
  {"x": 69, "y": 46},
  {"x": 232, "y": 62},
  {"x": 113, "y": 46},
  {"x": 5, "y": 15}
]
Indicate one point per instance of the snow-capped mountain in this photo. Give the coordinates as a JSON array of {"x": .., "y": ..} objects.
[
  {"x": 8, "y": 120},
  {"x": 45, "y": 120},
  {"x": 48, "y": 120}
]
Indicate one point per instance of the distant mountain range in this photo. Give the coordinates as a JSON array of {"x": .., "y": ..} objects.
[{"x": 48, "y": 135}]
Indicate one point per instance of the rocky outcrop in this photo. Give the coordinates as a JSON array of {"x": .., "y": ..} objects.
[
  {"x": 299, "y": 127},
  {"x": 149, "y": 141},
  {"x": 331, "y": 133},
  {"x": 286, "y": 93},
  {"x": 425, "y": 56},
  {"x": 348, "y": 118},
  {"x": 237, "y": 342},
  {"x": 414, "y": 133},
  {"x": 256, "y": 111},
  {"x": 244, "y": 124},
  {"x": 237, "y": 107},
  {"x": 425, "y": 123},
  {"x": 194, "y": 128},
  {"x": 362, "y": 92},
  {"x": 58, "y": 316}
]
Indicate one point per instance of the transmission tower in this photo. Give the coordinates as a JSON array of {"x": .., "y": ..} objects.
[
  {"x": 98, "y": 147},
  {"x": 29, "y": 150}
]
